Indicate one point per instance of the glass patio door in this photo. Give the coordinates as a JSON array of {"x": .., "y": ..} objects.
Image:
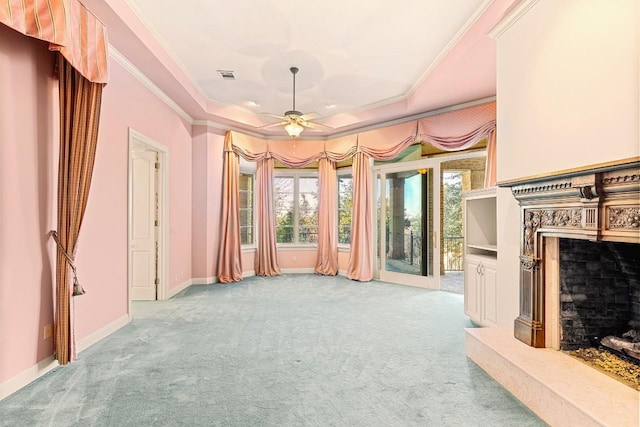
[{"x": 407, "y": 219}]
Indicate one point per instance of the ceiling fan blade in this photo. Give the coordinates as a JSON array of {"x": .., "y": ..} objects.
[
  {"x": 317, "y": 126},
  {"x": 310, "y": 116},
  {"x": 273, "y": 125},
  {"x": 277, "y": 116}
]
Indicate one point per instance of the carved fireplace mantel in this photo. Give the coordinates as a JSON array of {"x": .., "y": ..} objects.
[{"x": 600, "y": 203}]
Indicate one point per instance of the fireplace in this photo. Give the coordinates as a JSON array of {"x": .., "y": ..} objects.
[
  {"x": 599, "y": 292},
  {"x": 578, "y": 254}
]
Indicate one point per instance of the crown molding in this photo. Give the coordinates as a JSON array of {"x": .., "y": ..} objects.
[
  {"x": 210, "y": 124},
  {"x": 514, "y": 16},
  {"x": 164, "y": 45},
  {"x": 449, "y": 47},
  {"x": 142, "y": 78}
]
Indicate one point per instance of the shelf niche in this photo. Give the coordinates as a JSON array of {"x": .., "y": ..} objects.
[{"x": 480, "y": 222}]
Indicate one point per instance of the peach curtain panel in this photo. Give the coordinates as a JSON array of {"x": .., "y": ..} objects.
[
  {"x": 230, "y": 259},
  {"x": 80, "y": 102},
  {"x": 327, "y": 255},
  {"x": 69, "y": 28},
  {"x": 490, "y": 168},
  {"x": 266, "y": 262},
  {"x": 360, "y": 259}
]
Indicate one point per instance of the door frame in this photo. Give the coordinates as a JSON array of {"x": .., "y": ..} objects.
[
  {"x": 429, "y": 163},
  {"x": 430, "y": 282},
  {"x": 137, "y": 139}
]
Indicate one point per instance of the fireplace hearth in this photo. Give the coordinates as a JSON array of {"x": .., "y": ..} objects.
[{"x": 599, "y": 204}]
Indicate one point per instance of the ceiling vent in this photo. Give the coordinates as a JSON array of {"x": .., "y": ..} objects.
[{"x": 226, "y": 75}]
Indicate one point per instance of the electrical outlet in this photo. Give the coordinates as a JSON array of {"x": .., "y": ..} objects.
[
  {"x": 295, "y": 258},
  {"x": 47, "y": 331}
]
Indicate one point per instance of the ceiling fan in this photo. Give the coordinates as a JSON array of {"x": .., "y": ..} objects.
[{"x": 293, "y": 120}]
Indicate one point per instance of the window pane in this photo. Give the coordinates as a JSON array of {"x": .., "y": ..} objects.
[
  {"x": 284, "y": 207},
  {"x": 344, "y": 234},
  {"x": 345, "y": 203},
  {"x": 284, "y": 234},
  {"x": 246, "y": 182},
  {"x": 309, "y": 185},
  {"x": 244, "y": 200},
  {"x": 308, "y": 234},
  {"x": 246, "y": 235},
  {"x": 308, "y": 210},
  {"x": 246, "y": 217},
  {"x": 246, "y": 209},
  {"x": 283, "y": 184}
]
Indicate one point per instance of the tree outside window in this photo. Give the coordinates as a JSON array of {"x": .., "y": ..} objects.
[
  {"x": 296, "y": 206},
  {"x": 345, "y": 204},
  {"x": 308, "y": 210}
]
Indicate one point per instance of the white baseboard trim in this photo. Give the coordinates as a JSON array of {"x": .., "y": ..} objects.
[
  {"x": 204, "y": 280},
  {"x": 298, "y": 270},
  {"x": 342, "y": 273},
  {"x": 25, "y": 377},
  {"x": 102, "y": 333},
  {"x": 177, "y": 289},
  {"x": 249, "y": 273},
  {"x": 33, "y": 373}
]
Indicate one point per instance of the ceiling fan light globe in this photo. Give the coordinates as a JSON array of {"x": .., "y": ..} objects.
[{"x": 293, "y": 129}]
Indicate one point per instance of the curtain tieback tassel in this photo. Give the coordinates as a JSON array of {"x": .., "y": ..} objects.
[{"x": 77, "y": 288}]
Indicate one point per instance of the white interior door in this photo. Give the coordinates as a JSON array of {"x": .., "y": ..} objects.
[{"x": 144, "y": 239}]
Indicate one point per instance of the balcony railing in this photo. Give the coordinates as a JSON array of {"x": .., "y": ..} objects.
[{"x": 452, "y": 252}]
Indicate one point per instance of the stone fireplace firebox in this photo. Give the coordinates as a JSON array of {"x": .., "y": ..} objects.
[{"x": 598, "y": 204}]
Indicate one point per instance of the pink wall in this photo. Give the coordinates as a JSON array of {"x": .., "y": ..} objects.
[
  {"x": 28, "y": 171},
  {"x": 304, "y": 258},
  {"x": 248, "y": 261},
  {"x": 207, "y": 189},
  {"x": 343, "y": 260},
  {"x": 28, "y": 147},
  {"x": 214, "y": 200},
  {"x": 128, "y": 104},
  {"x": 299, "y": 258},
  {"x": 199, "y": 240}
]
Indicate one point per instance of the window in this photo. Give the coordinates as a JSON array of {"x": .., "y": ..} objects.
[
  {"x": 296, "y": 206},
  {"x": 246, "y": 209},
  {"x": 345, "y": 203}
]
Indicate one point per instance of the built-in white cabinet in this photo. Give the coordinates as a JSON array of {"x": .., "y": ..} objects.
[
  {"x": 480, "y": 257},
  {"x": 480, "y": 290}
]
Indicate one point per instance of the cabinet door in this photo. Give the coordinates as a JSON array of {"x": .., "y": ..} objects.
[
  {"x": 472, "y": 288},
  {"x": 489, "y": 307}
]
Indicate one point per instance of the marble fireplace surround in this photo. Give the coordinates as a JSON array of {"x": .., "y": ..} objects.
[{"x": 597, "y": 203}]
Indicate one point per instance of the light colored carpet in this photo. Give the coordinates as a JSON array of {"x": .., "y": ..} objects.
[{"x": 295, "y": 350}]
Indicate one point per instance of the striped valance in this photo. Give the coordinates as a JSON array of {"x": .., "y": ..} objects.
[{"x": 70, "y": 28}]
